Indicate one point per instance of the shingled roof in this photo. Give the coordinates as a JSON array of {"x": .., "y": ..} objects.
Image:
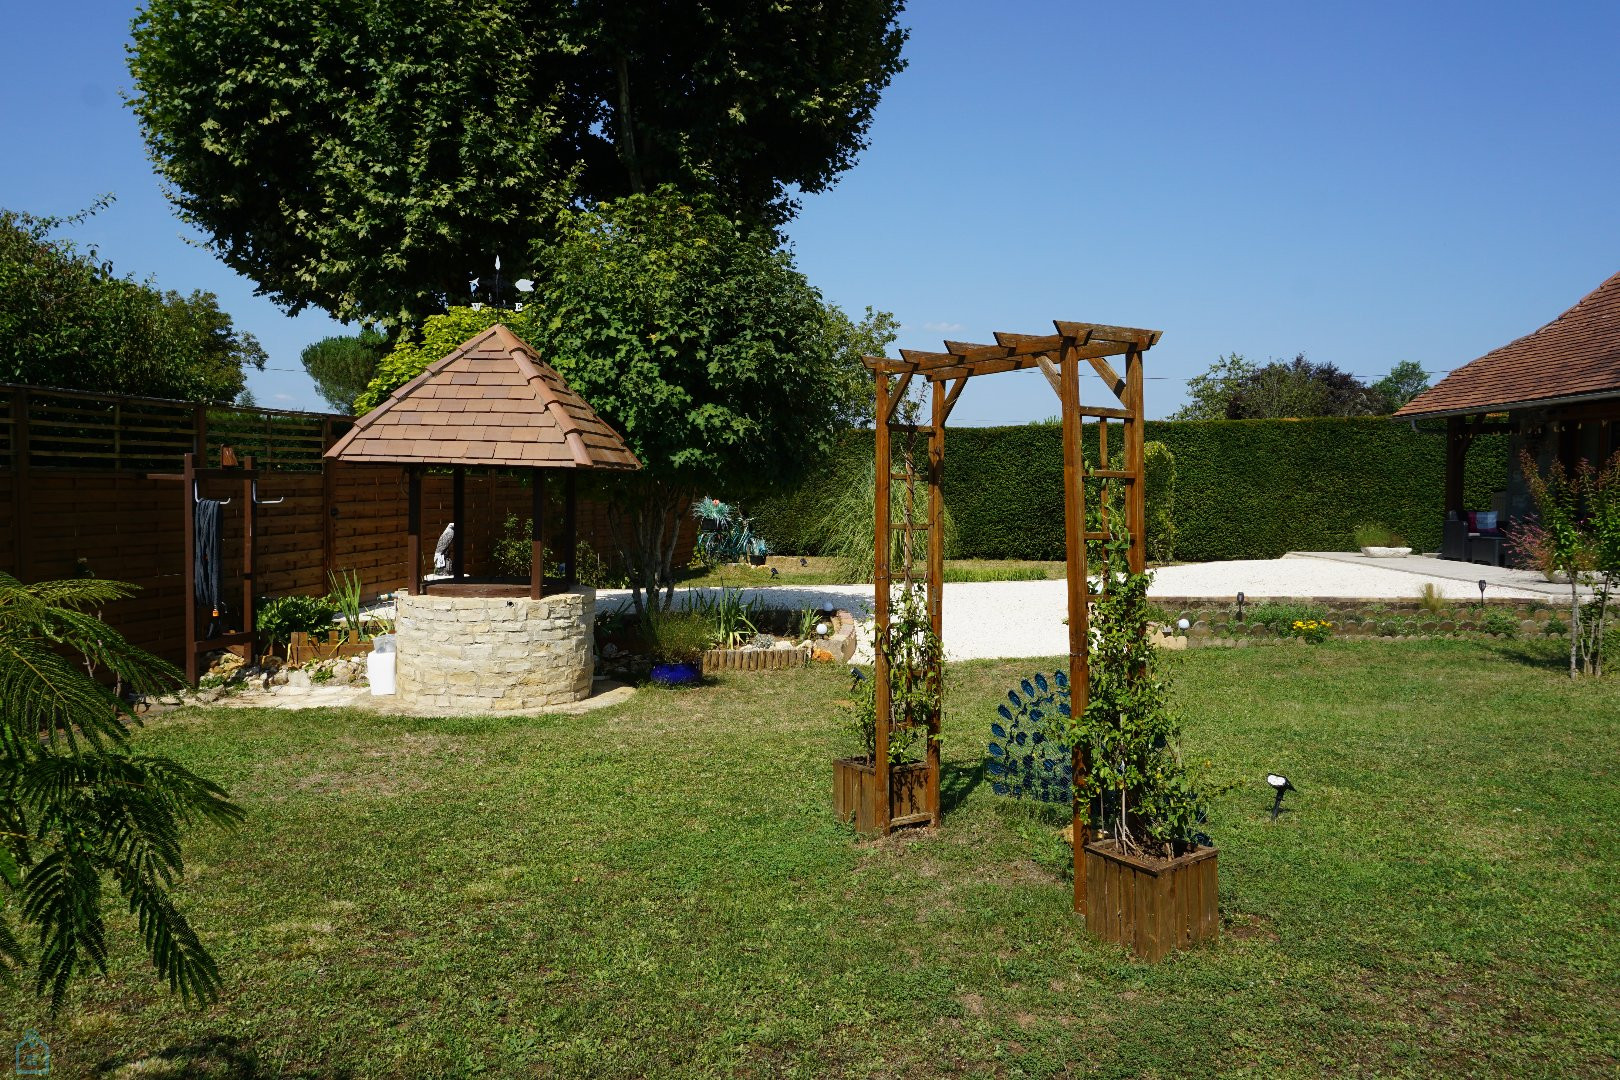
[
  {"x": 491, "y": 402},
  {"x": 1577, "y": 355}
]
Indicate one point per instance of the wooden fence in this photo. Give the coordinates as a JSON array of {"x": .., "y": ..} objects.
[{"x": 77, "y": 485}]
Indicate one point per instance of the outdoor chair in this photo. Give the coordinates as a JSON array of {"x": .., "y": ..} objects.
[{"x": 1474, "y": 539}]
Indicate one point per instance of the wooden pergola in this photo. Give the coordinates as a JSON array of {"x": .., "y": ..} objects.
[
  {"x": 492, "y": 403},
  {"x": 1059, "y": 356}
]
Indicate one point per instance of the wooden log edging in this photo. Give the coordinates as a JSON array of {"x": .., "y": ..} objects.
[
  {"x": 304, "y": 648},
  {"x": 754, "y": 659}
]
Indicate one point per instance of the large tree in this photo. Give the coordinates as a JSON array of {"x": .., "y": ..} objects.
[
  {"x": 343, "y": 365},
  {"x": 368, "y": 157},
  {"x": 1236, "y": 389},
  {"x": 697, "y": 339},
  {"x": 67, "y": 320}
]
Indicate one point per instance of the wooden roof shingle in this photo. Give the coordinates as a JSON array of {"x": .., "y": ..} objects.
[
  {"x": 1577, "y": 355},
  {"x": 491, "y": 402}
]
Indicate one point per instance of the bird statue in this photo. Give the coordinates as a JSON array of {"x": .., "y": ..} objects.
[{"x": 1280, "y": 785}]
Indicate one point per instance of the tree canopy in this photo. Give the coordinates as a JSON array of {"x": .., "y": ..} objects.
[
  {"x": 371, "y": 159},
  {"x": 343, "y": 365},
  {"x": 1236, "y": 389},
  {"x": 67, "y": 320},
  {"x": 695, "y": 337}
]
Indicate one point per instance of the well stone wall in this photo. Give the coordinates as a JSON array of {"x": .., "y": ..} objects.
[{"x": 495, "y": 653}]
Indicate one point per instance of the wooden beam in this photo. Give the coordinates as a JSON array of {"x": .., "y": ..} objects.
[
  {"x": 936, "y": 587},
  {"x": 933, "y": 363},
  {"x": 1106, "y": 372},
  {"x": 413, "y": 529},
  {"x": 897, "y": 397},
  {"x": 1031, "y": 342},
  {"x": 188, "y": 553},
  {"x": 458, "y": 514},
  {"x": 1136, "y": 461},
  {"x": 1085, "y": 333},
  {"x": 1074, "y": 528},
  {"x": 956, "y": 392},
  {"x": 571, "y": 526},
  {"x": 537, "y": 534},
  {"x": 1052, "y": 375}
]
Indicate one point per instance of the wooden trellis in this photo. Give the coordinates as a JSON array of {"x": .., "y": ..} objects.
[{"x": 1059, "y": 357}]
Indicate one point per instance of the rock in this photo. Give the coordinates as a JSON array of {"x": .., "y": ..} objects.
[
  {"x": 206, "y": 697},
  {"x": 343, "y": 675},
  {"x": 298, "y": 680},
  {"x": 609, "y": 651}
]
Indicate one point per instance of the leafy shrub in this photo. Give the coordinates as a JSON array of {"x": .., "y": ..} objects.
[
  {"x": 1279, "y": 618},
  {"x": 513, "y": 556},
  {"x": 677, "y": 637},
  {"x": 1498, "y": 622},
  {"x": 1375, "y": 535},
  {"x": 1557, "y": 626},
  {"x": 279, "y": 619}
]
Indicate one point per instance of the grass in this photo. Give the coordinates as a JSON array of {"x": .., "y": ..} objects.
[
  {"x": 659, "y": 889},
  {"x": 819, "y": 570}
]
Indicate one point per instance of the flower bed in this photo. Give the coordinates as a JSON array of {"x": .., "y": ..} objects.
[{"x": 1214, "y": 622}]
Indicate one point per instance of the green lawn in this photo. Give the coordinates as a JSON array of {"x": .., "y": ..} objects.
[{"x": 659, "y": 889}]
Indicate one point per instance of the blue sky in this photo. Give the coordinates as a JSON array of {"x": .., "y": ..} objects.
[{"x": 1366, "y": 182}]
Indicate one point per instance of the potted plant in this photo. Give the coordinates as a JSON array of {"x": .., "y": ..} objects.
[
  {"x": 913, "y": 651},
  {"x": 1380, "y": 542},
  {"x": 1150, "y": 868},
  {"x": 677, "y": 641}
]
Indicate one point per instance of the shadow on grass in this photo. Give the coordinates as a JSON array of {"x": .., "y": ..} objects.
[
  {"x": 213, "y": 1057},
  {"x": 956, "y": 783},
  {"x": 1548, "y": 656}
]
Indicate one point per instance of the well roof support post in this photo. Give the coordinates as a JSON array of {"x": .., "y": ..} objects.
[
  {"x": 537, "y": 532},
  {"x": 1135, "y": 461},
  {"x": 458, "y": 514},
  {"x": 1456, "y": 458},
  {"x": 188, "y": 548},
  {"x": 936, "y": 584},
  {"x": 413, "y": 529},
  {"x": 571, "y": 527},
  {"x": 880, "y": 605},
  {"x": 1074, "y": 524}
]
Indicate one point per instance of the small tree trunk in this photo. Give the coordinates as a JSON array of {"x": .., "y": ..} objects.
[{"x": 1574, "y": 625}]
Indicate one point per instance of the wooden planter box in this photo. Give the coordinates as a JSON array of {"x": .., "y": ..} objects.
[
  {"x": 855, "y": 794},
  {"x": 1151, "y": 909},
  {"x": 305, "y": 647}
]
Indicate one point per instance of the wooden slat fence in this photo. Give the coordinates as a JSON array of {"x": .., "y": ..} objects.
[{"x": 77, "y": 497}]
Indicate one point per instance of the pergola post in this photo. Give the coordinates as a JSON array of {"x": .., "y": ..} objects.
[
  {"x": 936, "y": 583},
  {"x": 1074, "y": 528},
  {"x": 880, "y": 607},
  {"x": 537, "y": 532}
]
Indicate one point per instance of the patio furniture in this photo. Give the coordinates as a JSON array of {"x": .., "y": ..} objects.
[{"x": 1476, "y": 538}]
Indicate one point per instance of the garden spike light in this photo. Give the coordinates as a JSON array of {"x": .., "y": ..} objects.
[
  {"x": 1280, "y": 785},
  {"x": 1482, "y": 584}
]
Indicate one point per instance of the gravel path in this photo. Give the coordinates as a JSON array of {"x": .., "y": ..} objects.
[{"x": 998, "y": 619}]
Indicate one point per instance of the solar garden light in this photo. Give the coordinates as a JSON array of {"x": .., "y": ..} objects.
[
  {"x": 1482, "y": 584},
  {"x": 1280, "y": 785},
  {"x": 1240, "y": 607}
]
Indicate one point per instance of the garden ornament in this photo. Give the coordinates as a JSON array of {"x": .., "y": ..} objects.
[
  {"x": 1482, "y": 584},
  {"x": 1240, "y": 607},
  {"x": 1280, "y": 785}
]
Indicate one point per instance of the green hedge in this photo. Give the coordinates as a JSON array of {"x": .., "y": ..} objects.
[{"x": 1245, "y": 489}]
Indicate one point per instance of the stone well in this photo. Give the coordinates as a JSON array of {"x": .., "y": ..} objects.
[{"x": 502, "y": 653}]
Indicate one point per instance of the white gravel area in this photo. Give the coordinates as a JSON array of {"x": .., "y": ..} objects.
[{"x": 1004, "y": 619}]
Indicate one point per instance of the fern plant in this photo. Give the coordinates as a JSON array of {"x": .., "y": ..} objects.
[{"x": 79, "y": 807}]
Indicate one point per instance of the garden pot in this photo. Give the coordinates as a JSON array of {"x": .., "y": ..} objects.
[
  {"x": 1386, "y": 552},
  {"x": 380, "y": 672},
  {"x": 855, "y": 794},
  {"x": 1151, "y": 906},
  {"x": 683, "y": 674},
  {"x": 757, "y": 560}
]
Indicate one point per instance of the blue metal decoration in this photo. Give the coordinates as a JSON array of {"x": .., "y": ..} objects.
[{"x": 1030, "y": 757}]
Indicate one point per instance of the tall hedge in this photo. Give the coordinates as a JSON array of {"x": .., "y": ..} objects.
[{"x": 1245, "y": 489}]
